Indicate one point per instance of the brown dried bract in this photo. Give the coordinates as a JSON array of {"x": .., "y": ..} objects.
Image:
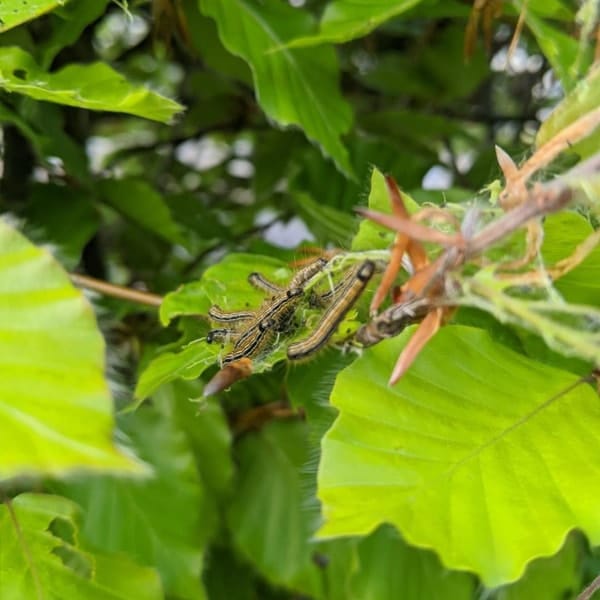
[
  {"x": 227, "y": 376},
  {"x": 427, "y": 295}
]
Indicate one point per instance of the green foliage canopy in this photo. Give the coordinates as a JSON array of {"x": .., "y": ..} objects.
[{"x": 164, "y": 150}]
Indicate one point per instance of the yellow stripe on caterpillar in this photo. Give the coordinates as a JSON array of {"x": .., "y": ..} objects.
[{"x": 345, "y": 298}]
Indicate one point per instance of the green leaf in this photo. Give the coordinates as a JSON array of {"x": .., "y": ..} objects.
[
  {"x": 583, "y": 99},
  {"x": 307, "y": 171},
  {"x": 558, "y": 47},
  {"x": 272, "y": 159},
  {"x": 161, "y": 521},
  {"x": 64, "y": 217},
  {"x": 51, "y": 140},
  {"x": 139, "y": 201},
  {"x": 442, "y": 60},
  {"x": 553, "y": 578},
  {"x": 294, "y": 87},
  {"x": 15, "y": 12},
  {"x": 55, "y": 407},
  {"x": 327, "y": 223},
  {"x": 345, "y": 20},
  {"x": 9, "y": 116},
  {"x": 563, "y": 232},
  {"x": 204, "y": 36},
  {"x": 370, "y": 235},
  {"x": 188, "y": 299},
  {"x": 189, "y": 363},
  {"x": 309, "y": 386},
  {"x": 465, "y": 455},
  {"x": 570, "y": 329},
  {"x": 207, "y": 429},
  {"x": 116, "y": 572},
  {"x": 394, "y": 73},
  {"x": 69, "y": 23},
  {"x": 386, "y": 567},
  {"x": 202, "y": 229},
  {"x": 279, "y": 542},
  {"x": 95, "y": 87},
  {"x": 391, "y": 569},
  {"x": 553, "y": 9},
  {"x": 225, "y": 284},
  {"x": 276, "y": 541},
  {"x": 44, "y": 129},
  {"x": 37, "y": 562}
]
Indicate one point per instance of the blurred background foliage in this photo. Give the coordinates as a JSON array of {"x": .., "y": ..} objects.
[{"x": 283, "y": 122}]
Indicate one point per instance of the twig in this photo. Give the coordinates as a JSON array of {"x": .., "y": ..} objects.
[
  {"x": 541, "y": 200},
  {"x": 568, "y": 136},
  {"x": 410, "y": 227},
  {"x": 514, "y": 42},
  {"x": 590, "y": 589},
  {"x": 116, "y": 291}
]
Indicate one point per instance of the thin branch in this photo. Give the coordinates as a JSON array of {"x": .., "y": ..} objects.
[
  {"x": 522, "y": 421},
  {"x": 514, "y": 42},
  {"x": 590, "y": 589},
  {"x": 116, "y": 291},
  {"x": 579, "y": 129},
  {"x": 410, "y": 227},
  {"x": 544, "y": 200},
  {"x": 541, "y": 200}
]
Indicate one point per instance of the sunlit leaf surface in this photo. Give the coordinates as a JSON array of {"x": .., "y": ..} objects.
[
  {"x": 225, "y": 284},
  {"x": 188, "y": 363},
  {"x": 15, "y": 12},
  {"x": 468, "y": 454},
  {"x": 51, "y": 364},
  {"x": 93, "y": 86}
]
